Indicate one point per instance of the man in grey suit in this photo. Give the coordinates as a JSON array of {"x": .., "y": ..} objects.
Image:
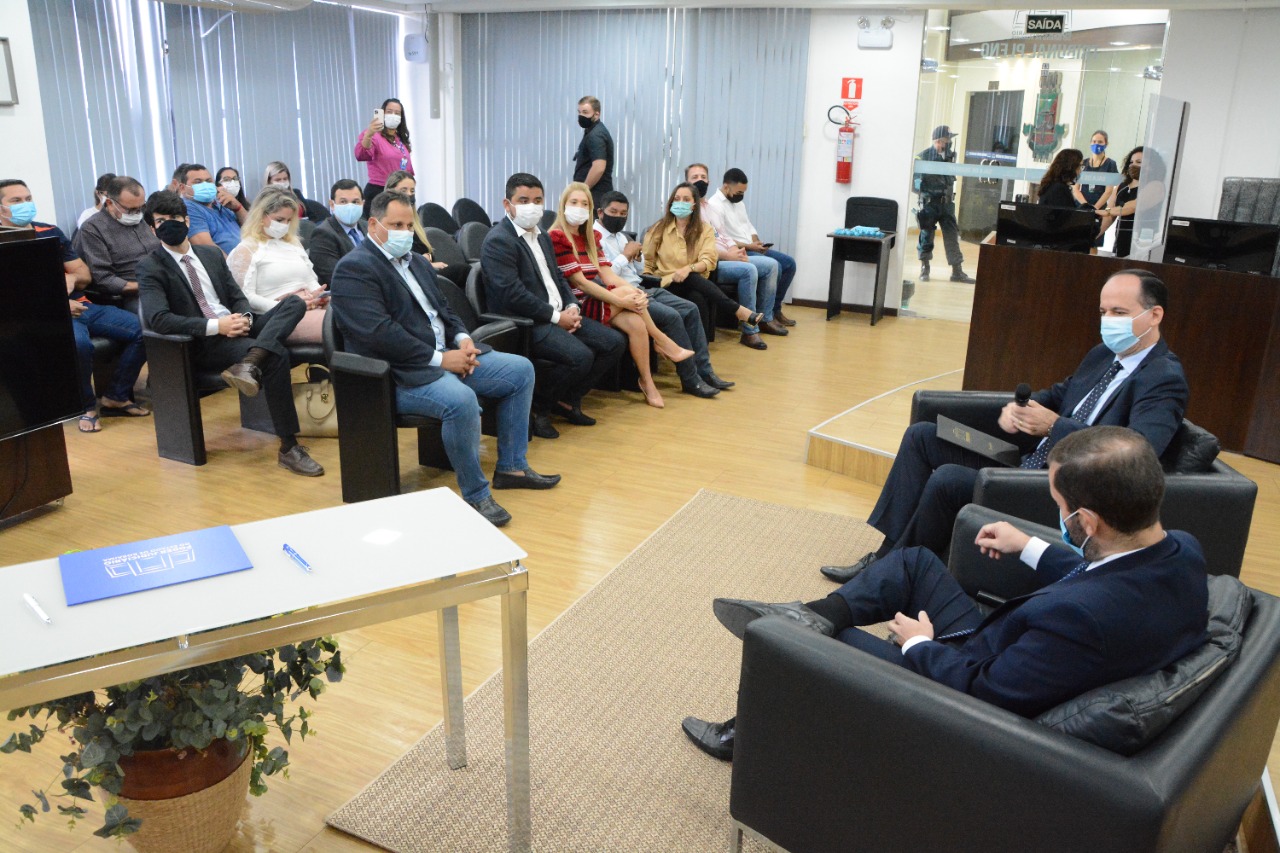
[{"x": 341, "y": 232}]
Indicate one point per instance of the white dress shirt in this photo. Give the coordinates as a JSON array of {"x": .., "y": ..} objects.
[
  {"x": 206, "y": 284},
  {"x": 733, "y": 217},
  {"x": 611, "y": 246},
  {"x": 437, "y": 325},
  {"x": 530, "y": 236}
]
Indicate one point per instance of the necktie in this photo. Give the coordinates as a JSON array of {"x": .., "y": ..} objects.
[
  {"x": 1078, "y": 570},
  {"x": 1037, "y": 457},
  {"x": 355, "y": 236},
  {"x": 197, "y": 289}
]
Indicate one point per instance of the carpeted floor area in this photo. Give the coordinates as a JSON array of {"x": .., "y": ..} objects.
[{"x": 610, "y": 681}]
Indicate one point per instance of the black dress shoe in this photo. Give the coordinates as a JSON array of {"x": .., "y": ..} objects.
[
  {"x": 783, "y": 318},
  {"x": 531, "y": 479},
  {"x": 299, "y": 461},
  {"x": 773, "y": 327},
  {"x": 737, "y": 613},
  {"x": 715, "y": 381},
  {"x": 844, "y": 574},
  {"x": 245, "y": 378},
  {"x": 540, "y": 425},
  {"x": 698, "y": 389},
  {"x": 715, "y": 739},
  {"x": 492, "y": 512},
  {"x": 751, "y": 339},
  {"x": 575, "y": 416}
]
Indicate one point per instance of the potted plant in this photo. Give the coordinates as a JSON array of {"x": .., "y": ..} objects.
[{"x": 195, "y": 733}]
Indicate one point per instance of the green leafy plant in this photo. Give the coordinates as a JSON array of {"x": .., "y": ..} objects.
[{"x": 238, "y": 700}]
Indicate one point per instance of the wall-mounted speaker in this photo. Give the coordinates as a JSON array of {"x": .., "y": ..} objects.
[{"x": 416, "y": 48}]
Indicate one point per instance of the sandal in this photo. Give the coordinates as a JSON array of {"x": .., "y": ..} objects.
[
  {"x": 132, "y": 410},
  {"x": 89, "y": 423}
]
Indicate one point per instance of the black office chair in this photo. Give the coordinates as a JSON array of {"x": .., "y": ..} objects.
[
  {"x": 316, "y": 212},
  {"x": 432, "y": 215},
  {"x": 873, "y": 212},
  {"x": 465, "y": 210},
  {"x": 1203, "y": 495},
  {"x": 306, "y": 228},
  {"x": 1195, "y": 744},
  {"x": 548, "y": 219},
  {"x": 444, "y": 248},
  {"x": 471, "y": 239}
]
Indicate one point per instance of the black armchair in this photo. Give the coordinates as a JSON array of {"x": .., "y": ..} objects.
[
  {"x": 471, "y": 239},
  {"x": 368, "y": 447},
  {"x": 432, "y": 215},
  {"x": 837, "y": 750},
  {"x": 465, "y": 210},
  {"x": 1203, "y": 495}
]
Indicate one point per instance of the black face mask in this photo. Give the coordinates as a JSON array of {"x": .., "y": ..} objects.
[
  {"x": 584, "y": 122},
  {"x": 736, "y": 197},
  {"x": 172, "y": 232},
  {"x": 612, "y": 224},
  {"x": 701, "y": 187}
]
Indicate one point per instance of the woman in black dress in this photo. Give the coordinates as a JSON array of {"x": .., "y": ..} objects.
[{"x": 1125, "y": 203}]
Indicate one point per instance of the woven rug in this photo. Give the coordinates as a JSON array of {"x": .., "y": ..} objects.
[{"x": 609, "y": 682}]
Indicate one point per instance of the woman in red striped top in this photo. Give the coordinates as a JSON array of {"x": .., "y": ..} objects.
[{"x": 604, "y": 296}]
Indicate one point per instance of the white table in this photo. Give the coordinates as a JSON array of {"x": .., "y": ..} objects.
[{"x": 373, "y": 562}]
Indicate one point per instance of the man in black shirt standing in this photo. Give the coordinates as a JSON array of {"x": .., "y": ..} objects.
[
  {"x": 938, "y": 208},
  {"x": 593, "y": 162}
]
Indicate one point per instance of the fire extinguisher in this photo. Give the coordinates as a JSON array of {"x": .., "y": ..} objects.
[{"x": 844, "y": 144}]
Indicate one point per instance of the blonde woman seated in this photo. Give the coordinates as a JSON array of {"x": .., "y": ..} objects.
[
  {"x": 270, "y": 263},
  {"x": 605, "y": 296}
]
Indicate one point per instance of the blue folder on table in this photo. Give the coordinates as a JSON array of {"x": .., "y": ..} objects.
[{"x": 149, "y": 564}]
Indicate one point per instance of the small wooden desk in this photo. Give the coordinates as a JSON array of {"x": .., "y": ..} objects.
[
  {"x": 867, "y": 250},
  {"x": 373, "y": 562}
]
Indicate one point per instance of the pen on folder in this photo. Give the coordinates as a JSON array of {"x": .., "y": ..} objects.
[
  {"x": 297, "y": 558},
  {"x": 36, "y": 608}
]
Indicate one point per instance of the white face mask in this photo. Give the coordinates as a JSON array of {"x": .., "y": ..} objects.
[
  {"x": 282, "y": 184},
  {"x": 527, "y": 215},
  {"x": 575, "y": 215},
  {"x": 391, "y": 121},
  {"x": 232, "y": 187},
  {"x": 275, "y": 230},
  {"x": 130, "y": 219}
]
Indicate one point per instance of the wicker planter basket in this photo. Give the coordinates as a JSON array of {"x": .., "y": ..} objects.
[{"x": 190, "y": 803}]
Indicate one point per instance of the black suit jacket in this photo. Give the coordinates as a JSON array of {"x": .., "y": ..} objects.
[
  {"x": 513, "y": 284},
  {"x": 168, "y": 304},
  {"x": 1151, "y": 401},
  {"x": 330, "y": 244},
  {"x": 380, "y": 318}
]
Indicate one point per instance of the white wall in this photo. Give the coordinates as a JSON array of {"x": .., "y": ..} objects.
[
  {"x": 23, "y": 152},
  {"x": 437, "y": 143},
  {"x": 1224, "y": 64},
  {"x": 883, "y": 154}
]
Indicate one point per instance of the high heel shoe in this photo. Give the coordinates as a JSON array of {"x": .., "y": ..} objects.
[
  {"x": 754, "y": 319},
  {"x": 674, "y": 352},
  {"x": 652, "y": 397}
]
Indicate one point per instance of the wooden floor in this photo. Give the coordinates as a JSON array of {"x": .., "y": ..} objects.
[{"x": 622, "y": 479}]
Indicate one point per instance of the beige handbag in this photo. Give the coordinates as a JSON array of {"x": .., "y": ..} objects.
[{"x": 317, "y": 408}]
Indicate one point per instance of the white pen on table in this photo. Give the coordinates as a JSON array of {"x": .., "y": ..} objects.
[
  {"x": 36, "y": 608},
  {"x": 297, "y": 558}
]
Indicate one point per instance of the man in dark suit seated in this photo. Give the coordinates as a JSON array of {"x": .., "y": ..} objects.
[
  {"x": 341, "y": 232},
  {"x": 388, "y": 306},
  {"x": 1123, "y": 598},
  {"x": 522, "y": 279},
  {"x": 188, "y": 290},
  {"x": 1131, "y": 379}
]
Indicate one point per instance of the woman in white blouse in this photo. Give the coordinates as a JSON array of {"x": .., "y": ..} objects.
[{"x": 270, "y": 263}]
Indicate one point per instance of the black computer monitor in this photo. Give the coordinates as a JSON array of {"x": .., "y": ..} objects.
[
  {"x": 1247, "y": 247},
  {"x": 38, "y": 374},
  {"x": 1038, "y": 226}
]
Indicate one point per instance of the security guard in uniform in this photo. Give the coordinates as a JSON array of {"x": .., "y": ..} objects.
[{"x": 938, "y": 208}]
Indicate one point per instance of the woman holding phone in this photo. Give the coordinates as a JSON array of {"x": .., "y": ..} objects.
[{"x": 384, "y": 145}]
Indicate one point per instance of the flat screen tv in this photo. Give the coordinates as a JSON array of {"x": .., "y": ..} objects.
[
  {"x": 38, "y": 383},
  {"x": 1246, "y": 247},
  {"x": 1038, "y": 226}
]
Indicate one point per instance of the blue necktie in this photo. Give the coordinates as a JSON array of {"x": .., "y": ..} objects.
[
  {"x": 1037, "y": 457},
  {"x": 355, "y": 236},
  {"x": 1078, "y": 570}
]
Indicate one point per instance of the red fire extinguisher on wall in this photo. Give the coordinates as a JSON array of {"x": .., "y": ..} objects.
[{"x": 844, "y": 144}]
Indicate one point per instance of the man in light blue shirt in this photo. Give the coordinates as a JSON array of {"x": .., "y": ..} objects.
[{"x": 215, "y": 214}]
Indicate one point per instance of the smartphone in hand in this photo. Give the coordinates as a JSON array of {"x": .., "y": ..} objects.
[{"x": 377, "y": 114}]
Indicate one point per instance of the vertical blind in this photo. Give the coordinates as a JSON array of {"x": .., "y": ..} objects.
[
  {"x": 723, "y": 87},
  {"x": 136, "y": 87}
]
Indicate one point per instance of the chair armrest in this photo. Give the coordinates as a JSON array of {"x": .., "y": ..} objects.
[
  {"x": 359, "y": 365},
  {"x": 177, "y": 339},
  {"x": 503, "y": 336},
  {"x": 524, "y": 322},
  {"x": 982, "y": 577},
  {"x": 823, "y": 730},
  {"x": 977, "y": 409},
  {"x": 1017, "y": 492},
  {"x": 492, "y": 329}
]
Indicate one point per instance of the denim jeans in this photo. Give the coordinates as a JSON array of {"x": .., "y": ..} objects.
[
  {"x": 500, "y": 376},
  {"x": 755, "y": 288},
  {"x": 105, "y": 321},
  {"x": 786, "y": 272}
]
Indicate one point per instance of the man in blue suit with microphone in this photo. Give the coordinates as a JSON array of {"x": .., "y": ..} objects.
[
  {"x": 1124, "y": 597},
  {"x": 387, "y": 305}
]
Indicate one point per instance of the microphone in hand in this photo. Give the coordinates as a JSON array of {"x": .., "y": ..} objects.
[{"x": 1022, "y": 394}]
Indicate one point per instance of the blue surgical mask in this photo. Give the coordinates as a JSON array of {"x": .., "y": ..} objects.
[
  {"x": 22, "y": 213},
  {"x": 1066, "y": 536},
  {"x": 681, "y": 209},
  {"x": 1117, "y": 333},
  {"x": 348, "y": 214},
  {"x": 1097, "y": 147},
  {"x": 204, "y": 192},
  {"x": 398, "y": 243}
]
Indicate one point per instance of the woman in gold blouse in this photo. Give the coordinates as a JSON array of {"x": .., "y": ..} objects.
[{"x": 680, "y": 249}]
